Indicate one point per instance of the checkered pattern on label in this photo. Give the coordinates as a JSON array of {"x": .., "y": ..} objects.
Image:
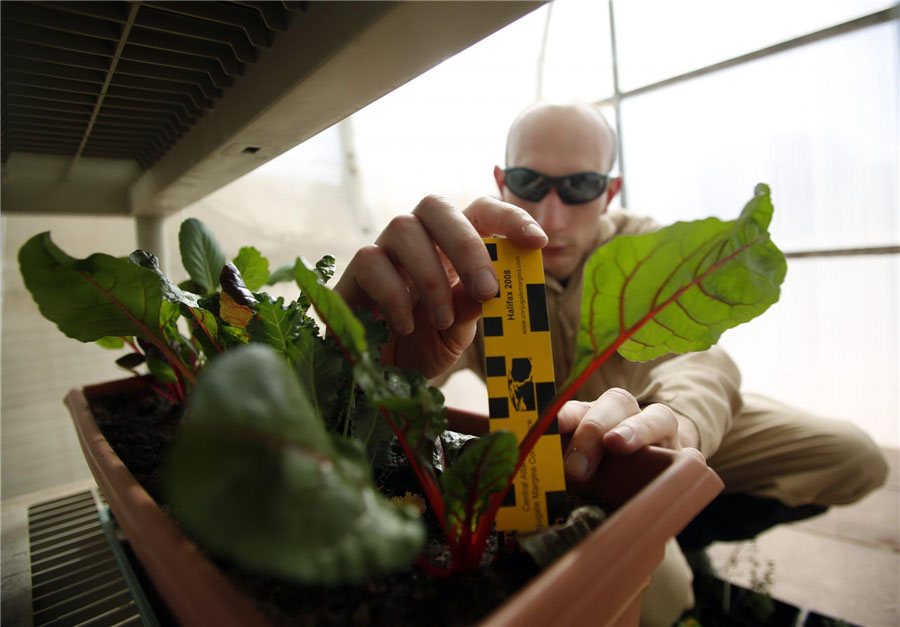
[
  {"x": 495, "y": 366},
  {"x": 520, "y": 381},
  {"x": 498, "y": 407},
  {"x": 493, "y": 327}
]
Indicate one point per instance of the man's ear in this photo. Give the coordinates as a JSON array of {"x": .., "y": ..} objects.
[
  {"x": 498, "y": 177},
  {"x": 615, "y": 184}
]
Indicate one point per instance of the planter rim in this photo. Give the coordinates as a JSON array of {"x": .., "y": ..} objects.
[
  {"x": 660, "y": 491},
  {"x": 194, "y": 600}
]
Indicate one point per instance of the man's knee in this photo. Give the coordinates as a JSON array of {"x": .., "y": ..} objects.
[
  {"x": 862, "y": 466},
  {"x": 843, "y": 465}
]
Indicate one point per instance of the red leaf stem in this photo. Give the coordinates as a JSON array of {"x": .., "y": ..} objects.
[
  {"x": 432, "y": 492},
  {"x": 199, "y": 321},
  {"x": 550, "y": 413},
  {"x": 531, "y": 438},
  {"x": 170, "y": 397},
  {"x": 473, "y": 550}
]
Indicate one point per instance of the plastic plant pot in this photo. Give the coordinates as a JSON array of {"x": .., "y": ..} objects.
[{"x": 599, "y": 582}]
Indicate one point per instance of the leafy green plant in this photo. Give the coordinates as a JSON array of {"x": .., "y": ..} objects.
[{"x": 283, "y": 421}]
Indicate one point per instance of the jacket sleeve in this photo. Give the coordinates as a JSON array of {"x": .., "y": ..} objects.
[{"x": 703, "y": 387}]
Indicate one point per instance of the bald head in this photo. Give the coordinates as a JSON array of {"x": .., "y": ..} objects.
[
  {"x": 561, "y": 140},
  {"x": 553, "y": 134}
]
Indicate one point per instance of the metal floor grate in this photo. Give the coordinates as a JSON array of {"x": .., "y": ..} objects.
[{"x": 76, "y": 577}]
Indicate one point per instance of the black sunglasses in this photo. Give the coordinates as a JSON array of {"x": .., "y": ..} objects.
[{"x": 573, "y": 189}]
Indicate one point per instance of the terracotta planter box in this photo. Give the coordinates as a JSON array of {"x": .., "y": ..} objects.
[{"x": 599, "y": 582}]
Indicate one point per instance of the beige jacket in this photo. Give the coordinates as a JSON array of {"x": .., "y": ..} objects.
[{"x": 703, "y": 387}]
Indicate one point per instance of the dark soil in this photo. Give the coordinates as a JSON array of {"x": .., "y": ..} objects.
[{"x": 140, "y": 429}]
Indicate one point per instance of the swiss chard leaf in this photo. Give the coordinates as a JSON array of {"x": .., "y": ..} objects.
[
  {"x": 201, "y": 255},
  {"x": 233, "y": 284},
  {"x": 281, "y": 274},
  {"x": 112, "y": 343},
  {"x": 255, "y": 474},
  {"x": 232, "y": 312},
  {"x": 204, "y": 329},
  {"x": 232, "y": 337},
  {"x": 171, "y": 292},
  {"x": 275, "y": 323},
  {"x": 483, "y": 468},
  {"x": 253, "y": 267},
  {"x": 334, "y": 312},
  {"x": 370, "y": 428},
  {"x": 678, "y": 289},
  {"x": 162, "y": 370},
  {"x": 130, "y": 361},
  {"x": 416, "y": 408},
  {"x": 325, "y": 268},
  {"x": 321, "y": 369},
  {"x": 91, "y": 298}
]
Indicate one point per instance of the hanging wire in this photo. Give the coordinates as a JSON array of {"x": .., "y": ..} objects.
[
  {"x": 542, "y": 55},
  {"x": 617, "y": 104}
]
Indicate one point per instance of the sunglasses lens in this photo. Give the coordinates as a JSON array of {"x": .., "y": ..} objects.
[
  {"x": 527, "y": 184},
  {"x": 573, "y": 189},
  {"x": 581, "y": 188}
]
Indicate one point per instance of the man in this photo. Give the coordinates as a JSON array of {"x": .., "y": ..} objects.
[{"x": 428, "y": 273}]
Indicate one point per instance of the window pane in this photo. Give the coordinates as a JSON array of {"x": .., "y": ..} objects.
[
  {"x": 443, "y": 131},
  {"x": 818, "y": 123},
  {"x": 657, "y": 39},
  {"x": 578, "y": 61},
  {"x": 830, "y": 344}
]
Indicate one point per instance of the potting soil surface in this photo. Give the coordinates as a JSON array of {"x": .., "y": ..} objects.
[{"x": 140, "y": 432}]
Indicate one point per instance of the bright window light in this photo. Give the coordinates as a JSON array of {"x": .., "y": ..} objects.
[{"x": 657, "y": 39}]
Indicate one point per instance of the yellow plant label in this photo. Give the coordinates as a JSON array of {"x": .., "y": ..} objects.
[{"x": 520, "y": 383}]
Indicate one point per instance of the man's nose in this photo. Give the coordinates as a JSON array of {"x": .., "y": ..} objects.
[{"x": 551, "y": 212}]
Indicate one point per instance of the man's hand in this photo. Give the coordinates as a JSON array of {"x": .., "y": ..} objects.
[
  {"x": 428, "y": 273},
  {"x": 615, "y": 423}
]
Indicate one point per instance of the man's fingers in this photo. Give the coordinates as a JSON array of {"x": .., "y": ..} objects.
[
  {"x": 491, "y": 216},
  {"x": 409, "y": 244},
  {"x": 372, "y": 281},
  {"x": 443, "y": 347},
  {"x": 656, "y": 424},
  {"x": 585, "y": 449},
  {"x": 461, "y": 244},
  {"x": 570, "y": 415}
]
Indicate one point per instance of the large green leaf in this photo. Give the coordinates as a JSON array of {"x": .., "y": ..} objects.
[
  {"x": 201, "y": 255},
  {"x": 678, "y": 289},
  {"x": 483, "y": 468},
  {"x": 256, "y": 476},
  {"x": 334, "y": 312},
  {"x": 253, "y": 267},
  {"x": 91, "y": 298}
]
